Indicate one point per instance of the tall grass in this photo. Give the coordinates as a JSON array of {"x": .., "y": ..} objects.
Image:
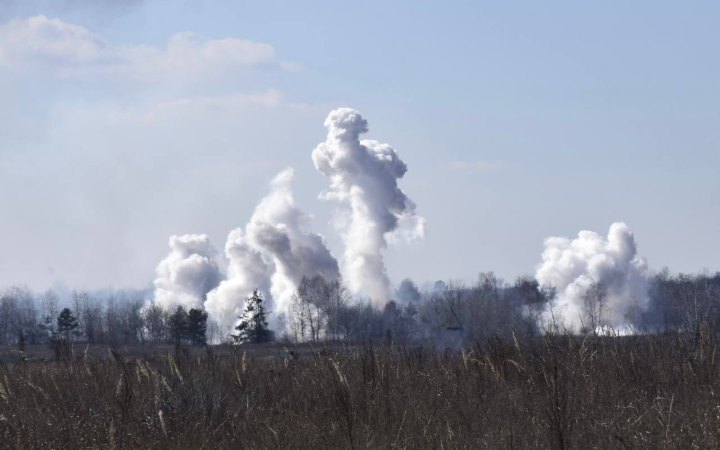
[{"x": 557, "y": 392}]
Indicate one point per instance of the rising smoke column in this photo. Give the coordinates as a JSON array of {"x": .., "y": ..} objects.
[
  {"x": 572, "y": 267},
  {"x": 273, "y": 253},
  {"x": 277, "y": 228},
  {"x": 188, "y": 273},
  {"x": 363, "y": 175},
  {"x": 247, "y": 270}
]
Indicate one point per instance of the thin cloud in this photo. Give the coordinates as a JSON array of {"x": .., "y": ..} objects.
[
  {"x": 110, "y": 5},
  {"x": 167, "y": 111},
  {"x": 268, "y": 98},
  {"x": 114, "y": 4},
  {"x": 478, "y": 166},
  {"x": 71, "y": 51}
]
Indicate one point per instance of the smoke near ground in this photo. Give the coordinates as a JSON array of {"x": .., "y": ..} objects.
[
  {"x": 364, "y": 178},
  {"x": 272, "y": 254},
  {"x": 600, "y": 282},
  {"x": 277, "y": 229},
  {"x": 247, "y": 270},
  {"x": 188, "y": 273}
]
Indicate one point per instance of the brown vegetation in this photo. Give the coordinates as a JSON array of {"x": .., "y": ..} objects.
[{"x": 556, "y": 392}]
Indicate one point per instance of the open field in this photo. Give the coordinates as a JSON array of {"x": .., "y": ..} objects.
[
  {"x": 92, "y": 352},
  {"x": 557, "y": 392}
]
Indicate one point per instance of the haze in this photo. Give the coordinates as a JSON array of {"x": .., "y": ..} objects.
[{"x": 123, "y": 123}]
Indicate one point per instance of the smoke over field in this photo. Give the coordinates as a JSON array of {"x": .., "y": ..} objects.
[
  {"x": 273, "y": 252},
  {"x": 589, "y": 284},
  {"x": 599, "y": 281},
  {"x": 188, "y": 273},
  {"x": 363, "y": 177}
]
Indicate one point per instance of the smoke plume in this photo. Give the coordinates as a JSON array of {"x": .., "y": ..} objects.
[
  {"x": 273, "y": 253},
  {"x": 363, "y": 176},
  {"x": 599, "y": 281},
  {"x": 277, "y": 228},
  {"x": 247, "y": 270},
  {"x": 188, "y": 273}
]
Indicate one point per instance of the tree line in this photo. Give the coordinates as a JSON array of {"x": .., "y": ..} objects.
[
  {"x": 111, "y": 319},
  {"x": 447, "y": 314}
]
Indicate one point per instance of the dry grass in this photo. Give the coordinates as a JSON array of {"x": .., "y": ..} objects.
[{"x": 557, "y": 392}]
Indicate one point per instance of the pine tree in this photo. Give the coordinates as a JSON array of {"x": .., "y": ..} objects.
[
  {"x": 178, "y": 325},
  {"x": 197, "y": 326},
  {"x": 66, "y": 322},
  {"x": 253, "y": 326}
]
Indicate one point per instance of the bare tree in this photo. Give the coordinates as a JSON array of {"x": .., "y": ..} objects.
[
  {"x": 337, "y": 297},
  {"x": 48, "y": 313},
  {"x": 595, "y": 299},
  {"x": 315, "y": 309},
  {"x": 155, "y": 319},
  {"x": 18, "y": 316}
]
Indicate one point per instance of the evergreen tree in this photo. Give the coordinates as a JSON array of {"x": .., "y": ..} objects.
[
  {"x": 178, "y": 325},
  {"x": 197, "y": 326},
  {"x": 407, "y": 291},
  {"x": 253, "y": 326},
  {"x": 66, "y": 322}
]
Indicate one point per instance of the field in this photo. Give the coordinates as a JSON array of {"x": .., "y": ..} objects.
[{"x": 554, "y": 392}]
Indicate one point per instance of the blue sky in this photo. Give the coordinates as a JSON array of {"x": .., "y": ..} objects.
[{"x": 518, "y": 121}]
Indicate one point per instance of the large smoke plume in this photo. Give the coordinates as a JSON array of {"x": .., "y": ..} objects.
[
  {"x": 599, "y": 281},
  {"x": 364, "y": 175},
  {"x": 188, "y": 273},
  {"x": 272, "y": 254}
]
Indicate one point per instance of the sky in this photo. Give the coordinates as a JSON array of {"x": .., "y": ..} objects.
[{"x": 124, "y": 122}]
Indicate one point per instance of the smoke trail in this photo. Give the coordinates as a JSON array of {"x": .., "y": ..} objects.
[
  {"x": 600, "y": 281},
  {"x": 188, "y": 273},
  {"x": 272, "y": 254},
  {"x": 363, "y": 175}
]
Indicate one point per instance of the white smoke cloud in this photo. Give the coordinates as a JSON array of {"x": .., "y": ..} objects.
[
  {"x": 277, "y": 228},
  {"x": 272, "y": 254},
  {"x": 363, "y": 175},
  {"x": 573, "y": 267},
  {"x": 188, "y": 273},
  {"x": 247, "y": 270}
]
